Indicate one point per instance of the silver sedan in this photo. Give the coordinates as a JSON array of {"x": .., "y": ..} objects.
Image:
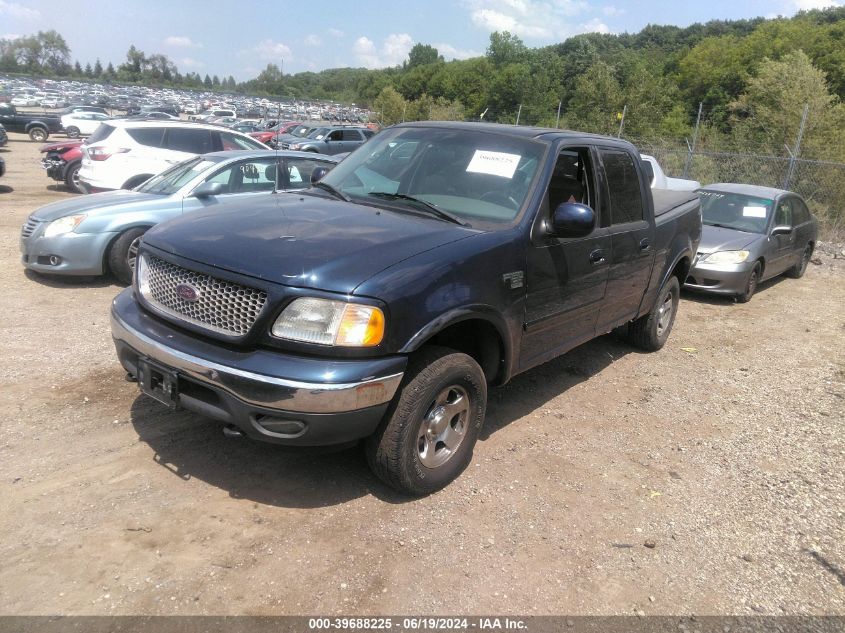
[
  {"x": 99, "y": 233},
  {"x": 750, "y": 234}
]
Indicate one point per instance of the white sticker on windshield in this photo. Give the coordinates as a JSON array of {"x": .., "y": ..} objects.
[
  {"x": 754, "y": 212},
  {"x": 494, "y": 163}
]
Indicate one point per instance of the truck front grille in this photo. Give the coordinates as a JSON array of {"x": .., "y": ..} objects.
[
  {"x": 215, "y": 304},
  {"x": 29, "y": 227}
]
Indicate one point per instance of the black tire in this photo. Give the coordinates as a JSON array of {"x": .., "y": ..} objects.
[
  {"x": 651, "y": 331},
  {"x": 135, "y": 181},
  {"x": 750, "y": 284},
  {"x": 797, "y": 271},
  {"x": 38, "y": 134},
  {"x": 122, "y": 252},
  {"x": 72, "y": 132},
  {"x": 72, "y": 178},
  {"x": 414, "y": 424}
]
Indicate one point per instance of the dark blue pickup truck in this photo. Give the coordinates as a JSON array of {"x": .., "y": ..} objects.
[{"x": 379, "y": 304}]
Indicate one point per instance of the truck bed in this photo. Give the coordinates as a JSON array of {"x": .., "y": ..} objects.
[{"x": 666, "y": 200}]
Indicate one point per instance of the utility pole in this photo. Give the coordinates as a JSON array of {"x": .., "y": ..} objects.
[
  {"x": 518, "y": 113},
  {"x": 557, "y": 123}
]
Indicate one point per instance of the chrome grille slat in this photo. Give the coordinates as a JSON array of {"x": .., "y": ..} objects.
[
  {"x": 29, "y": 227},
  {"x": 222, "y": 306}
]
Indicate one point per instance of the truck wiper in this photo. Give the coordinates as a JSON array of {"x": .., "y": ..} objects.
[
  {"x": 337, "y": 193},
  {"x": 433, "y": 208}
]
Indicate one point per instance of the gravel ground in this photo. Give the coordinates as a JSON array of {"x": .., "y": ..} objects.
[{"x": 704, "y": 479}]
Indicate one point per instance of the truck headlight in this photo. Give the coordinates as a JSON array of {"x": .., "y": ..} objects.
[
  {"x": 63, "y": 225},
  {"x": 726, "y": 257},
  {"x": 327, "y": 322}
]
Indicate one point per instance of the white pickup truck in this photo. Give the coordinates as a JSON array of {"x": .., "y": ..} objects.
[{"x": 660, "y": 180}]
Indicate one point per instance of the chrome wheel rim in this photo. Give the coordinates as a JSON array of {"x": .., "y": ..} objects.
[
  {"x": 664, "y": 314},
  {"x": 443, "y": 427},
  {"x": 132, "y": 253},
  {"x": 75, "y": 179}
]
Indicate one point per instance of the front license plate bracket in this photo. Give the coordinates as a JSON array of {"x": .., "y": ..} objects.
[{"x": 159, "y": 383}]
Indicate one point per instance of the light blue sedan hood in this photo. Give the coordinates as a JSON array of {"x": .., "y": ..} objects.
[{"x": 109, "y": 201}]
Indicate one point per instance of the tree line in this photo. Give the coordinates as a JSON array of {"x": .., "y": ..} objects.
[{"x": 751, "y": 77}]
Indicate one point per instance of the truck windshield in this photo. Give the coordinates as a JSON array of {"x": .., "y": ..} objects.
[
  {"x": 479, "y": 177},
  {"x": 735, "y": 211},
  {"x": 172, "y": 180}
]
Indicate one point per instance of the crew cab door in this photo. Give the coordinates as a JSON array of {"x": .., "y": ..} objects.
[
  {"x": 566, "y": 279},
  {"x": 626, "y": 212}
]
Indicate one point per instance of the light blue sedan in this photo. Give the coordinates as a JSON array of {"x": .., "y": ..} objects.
[{"x": 99, "y": 233}]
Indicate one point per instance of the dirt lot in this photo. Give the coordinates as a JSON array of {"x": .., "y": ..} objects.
[{"x": 707, "y": 478}]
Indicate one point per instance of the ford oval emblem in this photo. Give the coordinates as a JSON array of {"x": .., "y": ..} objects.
[{"x": 186, "y": 292}]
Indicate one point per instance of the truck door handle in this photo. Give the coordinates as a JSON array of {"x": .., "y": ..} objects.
[
  {"x": 597, "y": 257},
  {"x": 645, "y": 244}
]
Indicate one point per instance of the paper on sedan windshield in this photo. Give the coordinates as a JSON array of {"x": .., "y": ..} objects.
[
  {"x": 494, "y": 163},
  {"x": 754, "y": 212}
]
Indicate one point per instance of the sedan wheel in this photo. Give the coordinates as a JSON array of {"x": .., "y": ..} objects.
[{"x": 750, "y": 285}]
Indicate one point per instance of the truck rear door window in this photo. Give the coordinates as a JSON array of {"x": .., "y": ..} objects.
[{"x": 623, "y": 184}]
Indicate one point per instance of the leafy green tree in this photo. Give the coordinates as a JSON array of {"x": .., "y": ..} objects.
[
  {"x": 77, "y": 68},
  {"x": 207, "y": 81},
  {"x": 89, "y": 72},
  {"x": 422, "y": 54},
  {"x": 768, "y": 114},
  {"x": 390, "y": 106},
  {"x": 505, "y": 49},
  {"x": 98, "y": 68},
  {"x": 597, "y": 101}
]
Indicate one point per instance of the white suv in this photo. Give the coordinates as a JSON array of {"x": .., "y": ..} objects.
[{"x": 122, "y": 154}]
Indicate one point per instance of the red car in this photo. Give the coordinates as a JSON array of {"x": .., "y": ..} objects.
[
  {"x": 62, "y": 162},
  {"x": 283, "y": 127}
]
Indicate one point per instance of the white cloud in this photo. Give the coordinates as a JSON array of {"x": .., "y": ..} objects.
[
  {"x": 807, "y": 5},
  {"x": 335, "y": 33},
  {"x": 612, "y": 11},
  {"x": 450, "y": 52},
  {"x": 313, "y": 40},
  {"x": 595, "y": 26},
  {"x": 190, "y": 62},
  {"x": 270, "y": 50},
  {"x": 535, "y": 19},
  {"x": 180, "y": 41},
  {"x": 393, "y": 52},
  {"x": 15, "y": 10},
  {"x": 11, "y": 36}
]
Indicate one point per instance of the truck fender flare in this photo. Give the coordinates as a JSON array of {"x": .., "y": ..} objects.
[
  {"x": 36, "y": 123},
  {"x": 457, "y": 315},
  {"x": 668, "y": 272}
]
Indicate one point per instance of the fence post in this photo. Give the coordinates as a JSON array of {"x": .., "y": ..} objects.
[
  {"x": 557, "y": 123},
  {"x": 518, "y": 113},
  {"x": 793, "y": 155},
  {"x": 694, "y": 141},
  {"x": 622, "y": 121}
]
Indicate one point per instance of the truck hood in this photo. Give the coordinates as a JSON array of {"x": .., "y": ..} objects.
[
  {"x": 303, "y": 240},
  {"x": 92, "y": 202},
  {"x": 714, "y": 238}
]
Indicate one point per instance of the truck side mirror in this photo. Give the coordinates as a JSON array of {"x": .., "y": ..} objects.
[
  {"x": 781, "y": 230},
  {"x": 318, "y": 174},
  {"x": 572, "y": 219}
]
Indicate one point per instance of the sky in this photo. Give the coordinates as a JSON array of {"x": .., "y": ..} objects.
[{"x": 225, "y": 37}]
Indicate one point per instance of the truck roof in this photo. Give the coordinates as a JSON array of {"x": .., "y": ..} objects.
[{"x": 523, "y": 131}]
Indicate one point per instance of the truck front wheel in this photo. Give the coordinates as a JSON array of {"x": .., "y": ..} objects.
[
  {"x": 430, "y": 429},
  {"x": 651, "y": 331}
]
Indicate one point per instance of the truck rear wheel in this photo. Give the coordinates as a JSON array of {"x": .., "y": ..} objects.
[
  {"x": 651, "y": 331},
  {"x": 38, "y": 134},
  {"x": 430, "y": 429}
]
